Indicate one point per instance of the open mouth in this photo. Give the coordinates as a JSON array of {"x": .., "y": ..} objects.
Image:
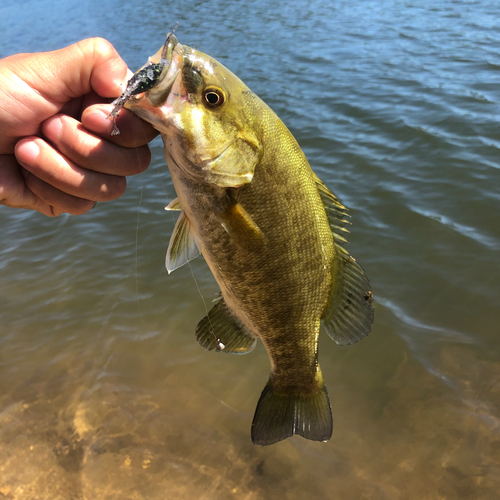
[
  {"x": 159, "y": 94},
  {"x": 157, "y": 78}
]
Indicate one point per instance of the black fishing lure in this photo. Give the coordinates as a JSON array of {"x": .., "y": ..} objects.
[{"x": 142, "y": 81}]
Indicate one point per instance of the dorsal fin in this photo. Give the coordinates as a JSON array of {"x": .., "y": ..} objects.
[
  {"x": 182, "y": 247},
  {"x": 219, "y": 330},
  {"x": 349, "y": 314},
  {"x": 336, "y": 212}
]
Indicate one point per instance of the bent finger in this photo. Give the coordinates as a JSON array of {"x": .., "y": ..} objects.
[
  {"x": 14, "y": 192},
  {"x": 49, "y": 165},
  {"x": 57, "y": 201},
  {"x": 92, "y": 152},
  {"x": 134, "y": 132}
]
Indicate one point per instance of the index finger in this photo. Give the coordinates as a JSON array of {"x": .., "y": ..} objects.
[{"x": 134, "y": 132}]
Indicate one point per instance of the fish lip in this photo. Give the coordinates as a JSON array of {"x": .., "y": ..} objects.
[
  {"x": 170, "y": 38},
  {"x": 159, "y": 105},
  {"x": 160, "y": 95},
  {"x": 172, "y": 54}
]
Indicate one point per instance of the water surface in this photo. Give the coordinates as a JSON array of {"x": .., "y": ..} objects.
[{"x": 104, "y": 391}]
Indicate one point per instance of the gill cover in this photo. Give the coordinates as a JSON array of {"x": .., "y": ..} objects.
[{"x": 219, "y": 144}]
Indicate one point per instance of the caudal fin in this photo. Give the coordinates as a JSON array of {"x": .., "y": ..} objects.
[{"x": 280, "y": 416}]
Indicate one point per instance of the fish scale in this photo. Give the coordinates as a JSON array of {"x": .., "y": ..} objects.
[{"x": 269, "y": 229}]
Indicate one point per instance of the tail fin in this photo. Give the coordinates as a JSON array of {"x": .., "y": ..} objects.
[{"x": 280, "y": 416}]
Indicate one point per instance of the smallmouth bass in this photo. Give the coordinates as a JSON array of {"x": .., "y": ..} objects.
[{"x": 270, "y": 230}]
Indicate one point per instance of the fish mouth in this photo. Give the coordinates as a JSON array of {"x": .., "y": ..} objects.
[
  {"x": 171, "y": 56},
  {"x": 156, "y": 104}
]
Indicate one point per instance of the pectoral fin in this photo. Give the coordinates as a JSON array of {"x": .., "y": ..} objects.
[
  {"x": 349, "y": 315},
  {"x": 219, "y": 330},
  {"x": 241, "y": 227},
  {"x": 175, "y": 204},
  {"x": 182, "y": 247}
]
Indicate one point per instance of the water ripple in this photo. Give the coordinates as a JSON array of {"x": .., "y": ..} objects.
[{"x": 469, "y": 232}]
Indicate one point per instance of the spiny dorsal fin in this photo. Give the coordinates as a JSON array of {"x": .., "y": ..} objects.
[
  {"x": 336, "y": 212},
  {"x": 349, "y": 314},
  {"x": 182, "y": 247},
  {"x": 219, "y": 330}
]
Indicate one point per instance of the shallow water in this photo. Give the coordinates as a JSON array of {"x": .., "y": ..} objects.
[{"x": 104, "y": 391}]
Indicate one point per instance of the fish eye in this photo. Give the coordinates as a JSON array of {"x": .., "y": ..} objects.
[{"x": 213, "y": 97}]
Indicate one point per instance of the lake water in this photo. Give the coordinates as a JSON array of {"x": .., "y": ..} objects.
[{"x": 104, "y": 391}]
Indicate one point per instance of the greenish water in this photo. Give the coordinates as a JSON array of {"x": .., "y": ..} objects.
[{"x": 104, "y": 391}]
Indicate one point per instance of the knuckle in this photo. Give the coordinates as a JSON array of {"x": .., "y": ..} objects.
[
  {"x": 143, "y": 159},
  {"x": 102, "y": 45},
  {"x": 54, "y": 212},
  {"x": 132, "y": 161},
  {"x": 96, "y": 45},
  {"x": 81, "y": 207},
  {"x": 113, "y": 187}
]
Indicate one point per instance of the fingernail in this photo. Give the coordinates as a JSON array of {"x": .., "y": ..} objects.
[
  {"x": 27, "y": 151},
  {"x": 121, "y": 85},
  {"x": 98, "y": 114},
  {"x": 97, "y": 121}
]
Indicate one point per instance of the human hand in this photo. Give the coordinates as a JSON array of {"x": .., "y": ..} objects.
[{"x": 57, "y": 154}]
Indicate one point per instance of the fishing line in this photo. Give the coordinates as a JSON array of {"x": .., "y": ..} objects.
[
  {"x": 199, "y": 291},
  {"x": 220, "y": 401},
  {"x": 137, "y": 235},
  {"x": 137, "y": 257},
  {"x": 220, "y": 345},
  {"x": 137, "y": 230}
]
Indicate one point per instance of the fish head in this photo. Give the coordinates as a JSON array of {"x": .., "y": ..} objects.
[{"x": 202, "y": 111}]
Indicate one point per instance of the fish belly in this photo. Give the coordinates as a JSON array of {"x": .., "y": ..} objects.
[{"x": 278, "y": 290}]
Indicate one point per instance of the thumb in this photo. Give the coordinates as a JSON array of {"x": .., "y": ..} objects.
[{"x": 64, "y": 74}]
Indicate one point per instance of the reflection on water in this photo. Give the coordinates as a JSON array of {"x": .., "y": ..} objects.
[{"x": 104, "y": 391}]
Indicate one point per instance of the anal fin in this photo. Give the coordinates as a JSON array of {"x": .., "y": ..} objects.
[{"x": 220, "y": 331}]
